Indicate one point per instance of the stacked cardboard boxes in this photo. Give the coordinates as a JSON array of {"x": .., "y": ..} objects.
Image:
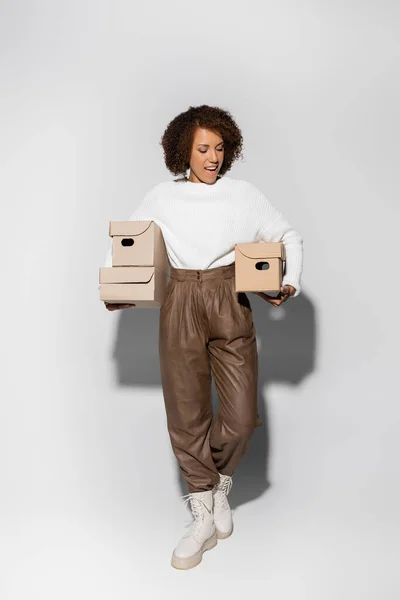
[{"x": 140, "y": 267}]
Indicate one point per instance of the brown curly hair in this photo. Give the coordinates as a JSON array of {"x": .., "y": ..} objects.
[{"x": 177, "y": 138}]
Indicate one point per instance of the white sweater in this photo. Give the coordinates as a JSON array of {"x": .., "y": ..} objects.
[{"x": 201, "y": 223}]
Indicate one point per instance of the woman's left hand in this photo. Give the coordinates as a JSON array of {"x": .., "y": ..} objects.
[{"x": 285, "y": 292}]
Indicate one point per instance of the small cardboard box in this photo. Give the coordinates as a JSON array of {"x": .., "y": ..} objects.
[
  {"x": 143, "y": 286},
  {"x": 259, "y": 266},
  {"x": 139, "y": 244}
]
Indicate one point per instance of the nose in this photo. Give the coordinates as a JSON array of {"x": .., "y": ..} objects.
[{"x": 213, "y": 157}]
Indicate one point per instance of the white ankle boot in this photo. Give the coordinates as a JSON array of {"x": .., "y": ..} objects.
[
  {"x": 222, "y": 510},
  {"x": 202, "y": 535}
]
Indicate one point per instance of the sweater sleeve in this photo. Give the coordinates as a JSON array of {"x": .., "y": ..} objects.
[{"x": 274, "y": 227}]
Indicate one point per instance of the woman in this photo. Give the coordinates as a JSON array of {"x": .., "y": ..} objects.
[{"x": 206, "y": 328}]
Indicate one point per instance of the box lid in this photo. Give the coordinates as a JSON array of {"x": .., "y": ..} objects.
[
  {"x": 126, "y": 274},
  {"x": 128, "y": 227},
  {"x": 262, "y": 250}
]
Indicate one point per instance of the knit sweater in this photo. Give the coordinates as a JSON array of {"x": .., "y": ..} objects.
[{"x": 201, "y": 223}]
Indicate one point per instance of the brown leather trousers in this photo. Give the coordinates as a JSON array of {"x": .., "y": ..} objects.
[{"x": 206, "y": 329}]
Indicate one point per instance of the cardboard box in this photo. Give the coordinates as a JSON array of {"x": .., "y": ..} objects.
[
  {"x": 259, "y": 266},
  {"x": 143, "y": 286},
  {"x": 139, "y": 244}
]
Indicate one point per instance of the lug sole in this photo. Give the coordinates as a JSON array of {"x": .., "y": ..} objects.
[{"x": 188, "y": 562}]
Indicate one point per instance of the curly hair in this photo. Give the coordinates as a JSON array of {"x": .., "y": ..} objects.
[{"x": 177, "y": 138}]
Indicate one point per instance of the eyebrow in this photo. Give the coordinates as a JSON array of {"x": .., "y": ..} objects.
[{"x": 209, "y": 144}]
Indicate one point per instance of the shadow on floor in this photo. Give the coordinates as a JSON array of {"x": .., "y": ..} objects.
[{"x": 286, "y": 340}]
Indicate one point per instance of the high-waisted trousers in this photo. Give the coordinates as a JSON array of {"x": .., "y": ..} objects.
[{"x": 206, "y": 329}]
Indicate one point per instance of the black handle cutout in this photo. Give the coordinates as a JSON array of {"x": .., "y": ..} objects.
[
  {"x": 127, "y": 242},
  {"x": 262, "y": 266}
]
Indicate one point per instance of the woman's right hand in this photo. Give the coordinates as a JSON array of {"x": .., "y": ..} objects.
[{"x": 110, "y": 306}]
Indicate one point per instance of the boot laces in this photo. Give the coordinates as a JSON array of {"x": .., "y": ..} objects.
[
  {"x": 198, "y": 507},
  {"x": 222, "y": 490}
]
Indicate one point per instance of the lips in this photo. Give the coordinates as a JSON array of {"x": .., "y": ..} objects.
[{"x": 211, "y": 169}]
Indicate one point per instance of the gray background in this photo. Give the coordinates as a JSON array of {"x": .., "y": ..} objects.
[{"x": 90, "y": 488}]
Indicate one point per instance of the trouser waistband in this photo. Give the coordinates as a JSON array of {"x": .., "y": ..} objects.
[{"x": 224, "y": 272}]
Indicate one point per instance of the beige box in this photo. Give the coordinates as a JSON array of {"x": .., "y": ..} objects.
[
  {"x": 259, "y": 266},
  {"x": 143, "y": 286},
  {"x": 139, "y": 244}
]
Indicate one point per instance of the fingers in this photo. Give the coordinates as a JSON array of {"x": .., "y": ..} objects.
[
  {"x": 275, "y": 301},
  {"x": 113, "y": 306},
  {"x": 264, "y": 296}
]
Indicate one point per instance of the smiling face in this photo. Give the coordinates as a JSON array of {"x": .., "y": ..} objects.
[{"x": 207, "y": 153}]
